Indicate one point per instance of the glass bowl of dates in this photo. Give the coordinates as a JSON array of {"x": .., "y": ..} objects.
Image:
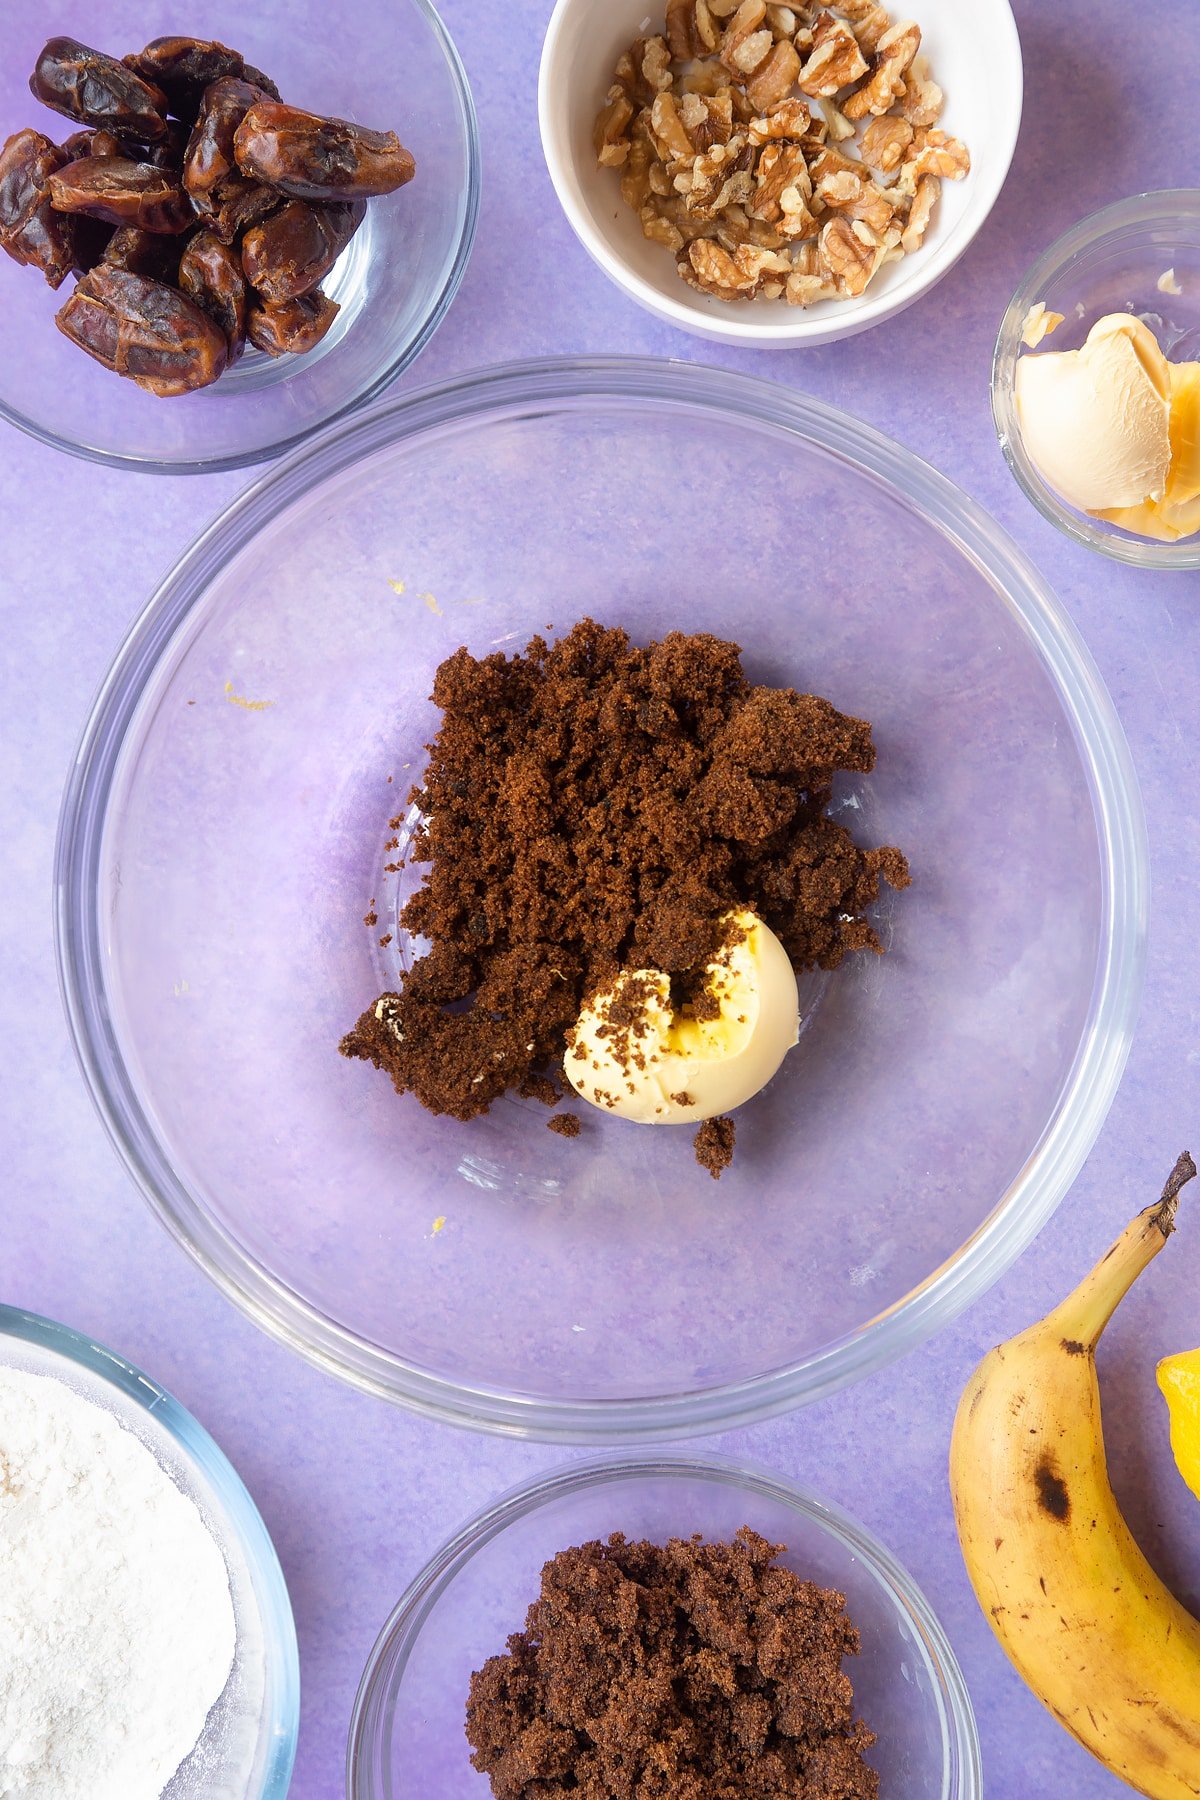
[
  {"x": 777, "y": 1720},
  {"x": 777, "y": 176},
  {"x": 203, "y": 258},
  {"x": 230, "y": 892}
]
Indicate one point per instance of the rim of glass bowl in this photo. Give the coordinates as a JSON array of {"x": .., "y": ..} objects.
[
  {"x": 389, "y": 372},
  {"x": 279, "y": 1627},
  {"x": 529, "y": 387},
  {"x": 1165, "y": 206},
  {"x": 371, "y": 1722}
]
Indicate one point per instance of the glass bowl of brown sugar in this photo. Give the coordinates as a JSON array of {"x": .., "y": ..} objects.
[
  {"x": 226, "y": 908},
  {"x": 407, "y": 1738}
]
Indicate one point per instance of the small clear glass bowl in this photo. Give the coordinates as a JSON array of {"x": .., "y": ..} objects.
[
  {"x": 392, "y": 68},
  {"x": 407, "y": 1737},
  {"x": 248, "y": 1744},
  {"x": 225, "y": 840},
  {"x": 1110, "y": 262}
]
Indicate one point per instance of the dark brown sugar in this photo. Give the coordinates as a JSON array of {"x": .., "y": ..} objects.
[
  {"x": 688, "y": 1671},
  {"x": 714, "y": 1145},
  {"x": 592, "y": 805}
]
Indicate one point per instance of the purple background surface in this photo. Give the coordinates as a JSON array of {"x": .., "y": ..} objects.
[{"x": 357, "y": 1494}]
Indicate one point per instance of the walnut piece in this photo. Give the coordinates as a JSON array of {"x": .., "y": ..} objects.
[
  {"x": 836, "y": 59},
  {"x": 884, "y": 143},
  {"x": 847, "y": 254},
  {"x": 937, "y": 154},
  {"x": 610, "y": 134},
  {"x": 897, "y": 48},
  {"x": 922, "y": 99},
  {"x": 774, "y": 79},
  {"x": 924, "y": 201}
]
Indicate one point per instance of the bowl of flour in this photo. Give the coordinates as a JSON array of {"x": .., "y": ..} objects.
[{"x": 147, "y": 1648}]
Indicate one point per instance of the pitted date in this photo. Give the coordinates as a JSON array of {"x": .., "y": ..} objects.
[
  {"x": 297, "y": 246},
  {"x": 210, "y": 274},
  {"x": 123, "y": 192},
  {"x": 144, "y": 330},
  {"x": 98, "y": 90},
  {"x": 148, "y": 253},
  {"x": 30, "y": 230},
  {"x": 91, "y": 143},
  {"x": 311, "y": 158},
  {"x": 242, "y": 203},
  {"x": 182, "y": 67},
  {"x": 209, "y": 159},
  {"x": 293, "y": 327}
]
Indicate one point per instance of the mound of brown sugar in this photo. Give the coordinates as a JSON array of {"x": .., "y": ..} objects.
[
  {"x": 592, "y": 805},
  {"x": 686, "y": 1672}
]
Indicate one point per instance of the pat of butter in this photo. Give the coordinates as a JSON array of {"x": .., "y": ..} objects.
[{"x": 665, "y": 1068}]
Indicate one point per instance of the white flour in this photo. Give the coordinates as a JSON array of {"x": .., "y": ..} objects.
[{"x": 116, "y": 1624}]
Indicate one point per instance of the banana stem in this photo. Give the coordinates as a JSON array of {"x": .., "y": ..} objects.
[{"x": 1082, "y": 1316}]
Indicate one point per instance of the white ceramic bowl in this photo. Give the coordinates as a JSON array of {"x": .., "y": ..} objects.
[{"x": 975, "y": 56}]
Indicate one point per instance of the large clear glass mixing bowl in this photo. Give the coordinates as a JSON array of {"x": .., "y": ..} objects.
[{"x": 224, "y": 836}]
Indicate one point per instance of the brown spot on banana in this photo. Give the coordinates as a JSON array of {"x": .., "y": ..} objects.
[
  {"x": 1052, "y": 1494},
  {"x": 1073, "y": 1347}
]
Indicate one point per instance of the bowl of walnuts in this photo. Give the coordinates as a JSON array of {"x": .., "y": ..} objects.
[{"x": 778, "y": 175}]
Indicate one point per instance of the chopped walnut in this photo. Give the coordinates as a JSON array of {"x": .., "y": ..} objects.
[
  {"x": 790, "y": 119},
  {"x": 762, "y": 193},
  {"x": 869, "y": 20},
  {"x": 610, "y": 134},
  {"x": 720, "y": 178},
  {"x": 897, "y": 47},
  {"x": 854, "y": 194},
  {"x": 667, "y": 129},
  {"x": 635, "y": 177},
  {"x": 783, "y": 21},
  {"x": 835, "y": 61},
  {"x": 922, "y": 99},
  {"x": 782, "y": 191},
  {"x": 937, "y": 154},
  {"x": 924, "y": 201},
  {"x": 739, "y": 274},
  {"x": 885, "y": 142},
  {"x": 691, "y": 29},
  {"x": 838, "y": 126},
  {"x": 847, "y": 254},
  {"x": 746, "y": 42},
  {"x": 774, "y": 79}
]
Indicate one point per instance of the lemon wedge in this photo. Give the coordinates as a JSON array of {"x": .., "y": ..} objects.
[{"x": 1179, "y": 1379}]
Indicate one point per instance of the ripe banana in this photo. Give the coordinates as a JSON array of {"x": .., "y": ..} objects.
[{"x": 1076, "y": 1606}]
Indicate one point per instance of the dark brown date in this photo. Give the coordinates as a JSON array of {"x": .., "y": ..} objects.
[
  {"x": 30, "y": 229},
  {"x": 91, "y": 143},
  {"x": 210, "y": 274},
  {"x": 98, "y": 90},
  {"x": 294, "y": 327},
  {"x": 123, "y": 192},
  {"x": 209, "y": 160},
  {"x": 146, "y": 253},
  {"x": 242, "y": 203},
  {"x": 144, "y": 330},
  {"x": 310, "y": 158},
  {"x": 297, "y": 246},
  {"x": 182, "y": 67},
  {"x": 259, "y": 80}
]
